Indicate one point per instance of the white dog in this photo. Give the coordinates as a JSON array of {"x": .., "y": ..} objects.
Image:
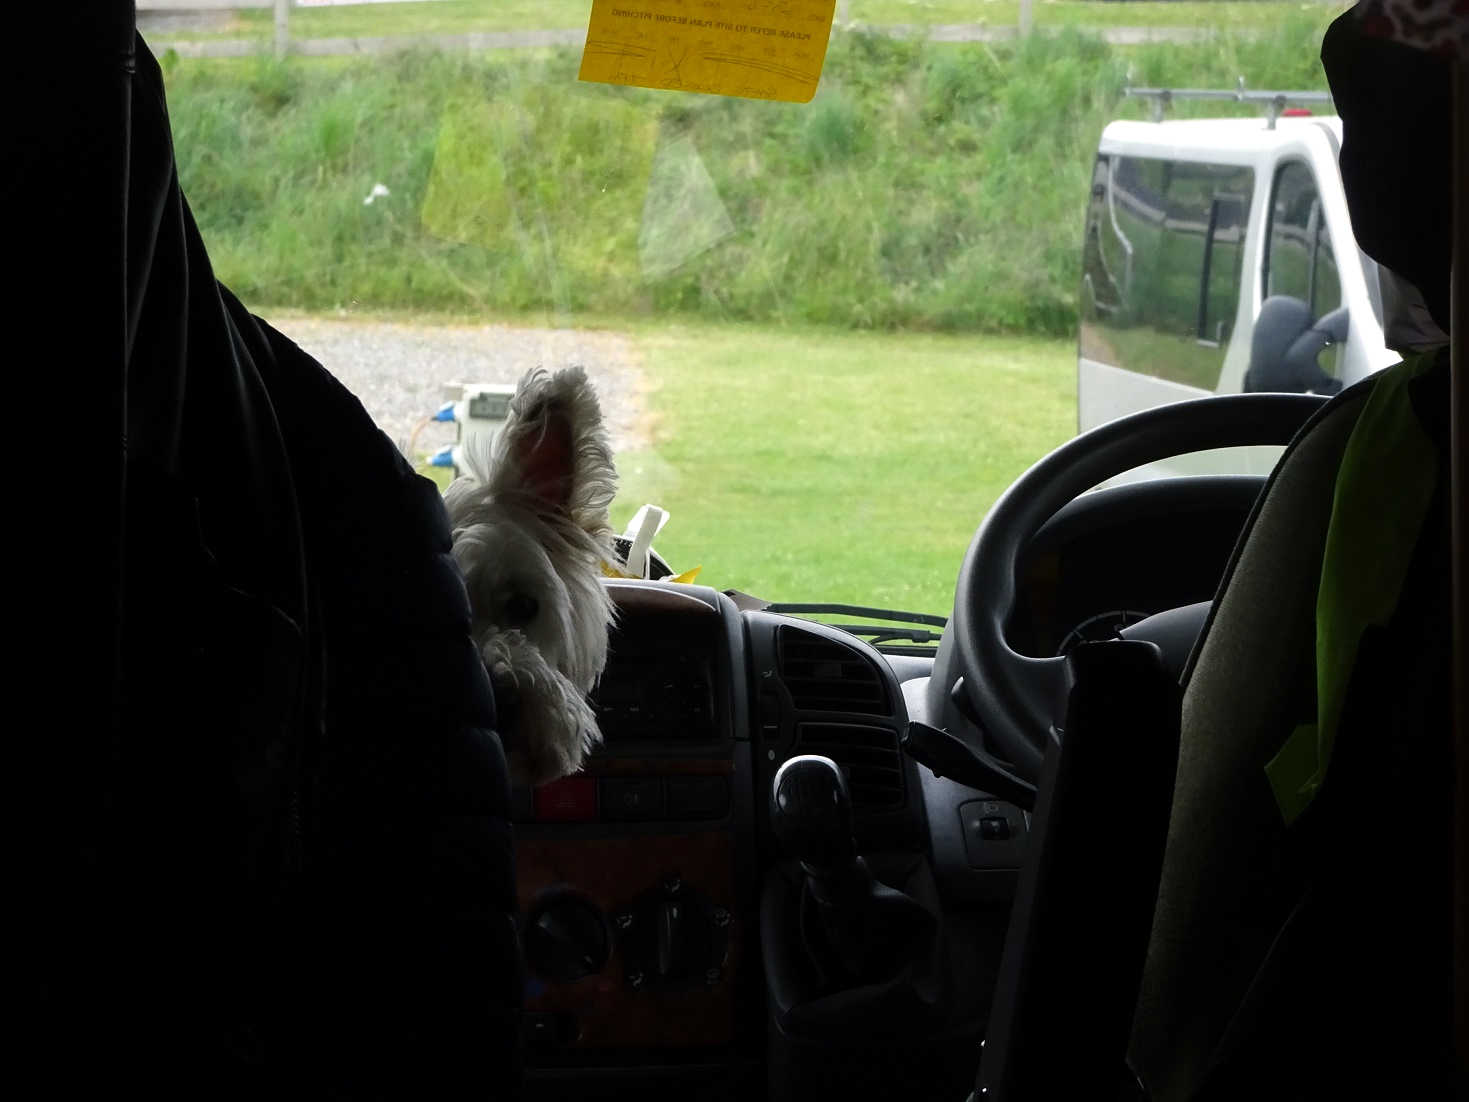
[{"x": 531, "y": 533}]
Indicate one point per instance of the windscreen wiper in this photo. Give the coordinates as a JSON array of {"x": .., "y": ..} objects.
[{"x": 882, "y": 636}]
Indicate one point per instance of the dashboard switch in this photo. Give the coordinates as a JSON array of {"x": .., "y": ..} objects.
[
  {"x": 672, "y": 940},
  {"x": 565, "y": 938},
  {"x": 698, "y": 797},
  {"x": 632, "y": 798},
  {"x": 994, "y": 829},
  {"x": 569, "y": 800},
  {"x": 994, "y": 833}
]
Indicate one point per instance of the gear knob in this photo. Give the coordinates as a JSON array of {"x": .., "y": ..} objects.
[{"x": 812, "y": 812}]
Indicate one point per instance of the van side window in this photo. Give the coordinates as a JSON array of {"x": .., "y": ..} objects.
[
  {"x": 1300, "y": 319},
  {"x": 1299, "y": 261},
  {"x": 1162, "y": 265}
]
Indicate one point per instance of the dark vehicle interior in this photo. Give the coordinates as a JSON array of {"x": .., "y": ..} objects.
[
  {"x": 815, "y": 861},
  {"x": 713, "y": 940}
]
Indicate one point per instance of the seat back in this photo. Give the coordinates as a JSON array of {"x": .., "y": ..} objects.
[
  {"x": 1226, "y": 887},
  {"x": 1311, "y": 960}
]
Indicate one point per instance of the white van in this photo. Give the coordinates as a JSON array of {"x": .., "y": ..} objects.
[{"x": 1219, "y": 258}]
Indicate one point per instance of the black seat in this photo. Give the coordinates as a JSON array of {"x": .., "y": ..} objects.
[{"x": 1284, "y": 948}]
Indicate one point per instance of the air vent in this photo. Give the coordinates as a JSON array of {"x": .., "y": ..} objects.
[
  {"x": 822, "y": 675},
  {"x": 868, "y": 756}
]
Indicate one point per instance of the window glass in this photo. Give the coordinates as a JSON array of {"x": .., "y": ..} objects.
[
  {"x": 1298, "y": 258},
  {"x": 1163, "y": 265}
]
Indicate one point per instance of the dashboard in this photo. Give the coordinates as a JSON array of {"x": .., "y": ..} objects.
[{"x": 641, "y": 878}]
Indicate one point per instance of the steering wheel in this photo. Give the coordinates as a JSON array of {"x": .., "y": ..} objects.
[{"x": 1016, "y": 697}]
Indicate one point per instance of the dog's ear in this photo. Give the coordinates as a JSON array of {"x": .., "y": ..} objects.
[
  {"x": 546, "y": 455},
  {"x": 554, "y": 447}
]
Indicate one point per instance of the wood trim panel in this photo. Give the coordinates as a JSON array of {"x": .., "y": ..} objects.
[{"x": 613, "y": 873}]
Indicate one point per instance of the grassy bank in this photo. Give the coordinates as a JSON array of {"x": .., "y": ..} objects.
[
  {"x": 468, "y": 16},
  {"x": 928, "y": 186}
]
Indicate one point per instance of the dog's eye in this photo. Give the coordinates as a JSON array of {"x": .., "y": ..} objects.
[{"x": 520, "y": 609}]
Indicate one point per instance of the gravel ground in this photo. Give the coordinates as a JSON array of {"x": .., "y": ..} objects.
[{"x": 402, "y": 372}]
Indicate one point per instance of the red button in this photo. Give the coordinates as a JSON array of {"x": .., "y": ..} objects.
[{"x": 569, "y": 800}]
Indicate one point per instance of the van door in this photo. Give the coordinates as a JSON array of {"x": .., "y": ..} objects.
[
  {"x": 1302, "y": 325},
  {"x": 1162, "y": 268}
]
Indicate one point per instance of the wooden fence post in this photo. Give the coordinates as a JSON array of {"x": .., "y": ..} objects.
[{"x": 282, "y": 27}]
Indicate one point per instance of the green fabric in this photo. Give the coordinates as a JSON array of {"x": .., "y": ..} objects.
[{"x": 1383, "y": 490}]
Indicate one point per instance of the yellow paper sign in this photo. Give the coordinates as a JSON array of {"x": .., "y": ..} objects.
[{"x": 760, "y": 49}]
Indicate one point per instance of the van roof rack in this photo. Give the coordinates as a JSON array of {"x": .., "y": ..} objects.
[{"x": 1274, "y": 102}]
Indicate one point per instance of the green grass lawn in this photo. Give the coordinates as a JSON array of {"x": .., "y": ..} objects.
[
  {"x": 463, "y": 16},
  {"x": 1231, "y": 14},
  {"x": 822, "y": 465}
]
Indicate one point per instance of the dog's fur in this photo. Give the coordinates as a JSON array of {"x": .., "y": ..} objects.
[{"x": 531, "y": 531}]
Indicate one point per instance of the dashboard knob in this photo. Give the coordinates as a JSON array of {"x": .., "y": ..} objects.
[{"x": 566, "y": 938}]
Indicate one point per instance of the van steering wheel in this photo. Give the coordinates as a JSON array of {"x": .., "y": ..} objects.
[{"x": 1020, "y": 699}]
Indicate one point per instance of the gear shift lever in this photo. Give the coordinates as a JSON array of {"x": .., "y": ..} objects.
[
  {"x": 813, "y": 819},
  {"x": 855, "y": 929},
  {"x": 843, "y": 950}
]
